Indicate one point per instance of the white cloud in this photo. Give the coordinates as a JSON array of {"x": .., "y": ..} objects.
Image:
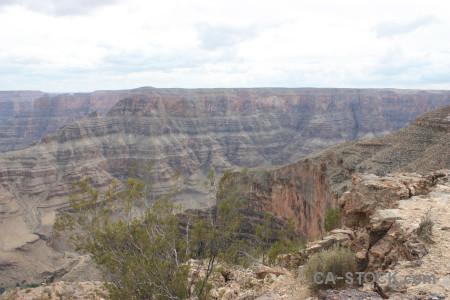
[
  {"x": 81, "y": 45},
  {"x": 59, "y": 7},
  {"x": 390, "y": 29},
  {"x": 216, "y": 36}
]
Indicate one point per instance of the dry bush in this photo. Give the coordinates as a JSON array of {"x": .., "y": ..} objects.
[
  {"x": 425, "y": 230},
  {"x": 336, "y": 260}
]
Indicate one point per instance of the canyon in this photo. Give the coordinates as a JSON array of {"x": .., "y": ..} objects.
[
  {"x": 13, "y": 103},
  {"x": 26, "y": 117},
  {"x": 386, "y": 238},
  {"x": 304, "y": 190},
  {"x": 192, "y": 131}
]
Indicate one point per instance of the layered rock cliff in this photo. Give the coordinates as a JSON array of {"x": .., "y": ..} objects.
[
  {"x": 303, "y": 190},
  {"x": 320, "y": 117},
  {"x": 15, "y": 102},
  {"x": 48, "y": 113},
  {"x": 191, "y": 132}
]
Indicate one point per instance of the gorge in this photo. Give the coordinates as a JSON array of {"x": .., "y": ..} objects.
[{"x": 193, "y": 131}]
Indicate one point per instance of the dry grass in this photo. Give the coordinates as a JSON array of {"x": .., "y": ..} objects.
[
  {"x": 336, "y": 260},
  {"x": 425, "y": 230}
]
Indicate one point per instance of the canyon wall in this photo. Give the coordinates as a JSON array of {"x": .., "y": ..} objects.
[
  {"x": 39, "y": 114},
  {"x": 320, "y": 117},
  {"x": 191, "y": 132},
  {"x": 304, "y": 189},
  {"x": 15, "y": 102}
]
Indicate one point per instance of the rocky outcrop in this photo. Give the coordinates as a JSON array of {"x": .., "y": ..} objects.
[
  {"x": 381, "y": 235},
  {"x": 381, "y": 217},
  {"x": 303, "y": 190},
  {"x": 232, "y": 283},
  {"x": 370, "y": 194},
  {"x": 60, "y": 290},
  {"x": 347, "y": 294}
]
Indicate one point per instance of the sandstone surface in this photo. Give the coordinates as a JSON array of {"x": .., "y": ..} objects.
[{"x": 381, "y": 218}]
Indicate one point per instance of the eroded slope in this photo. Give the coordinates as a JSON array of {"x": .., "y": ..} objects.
[
  {"x": 303, "y": 190},
  {"x": 192, "y": 131}
]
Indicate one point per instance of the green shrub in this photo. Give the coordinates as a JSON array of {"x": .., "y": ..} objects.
[
  {"x": 332, "y": 218},
  {"x": 141, "y": 248},
  {"x": 274, "y": 251},
  {"x": 336, "y": 260}
]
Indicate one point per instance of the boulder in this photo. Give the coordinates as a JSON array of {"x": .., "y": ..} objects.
[{"x": 264, "y": 271}]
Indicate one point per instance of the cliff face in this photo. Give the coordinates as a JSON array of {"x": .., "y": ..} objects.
[
  {"x": 15, "y": 102},
  {"x": 299, "y": 191},
  {"x": 304, "y": 189},
  {"x": 318, "y": 118},
  {"x": 383, "y": 225},
  {"x": 42, "y": 114},
  {"x": 192, "y": 131}
]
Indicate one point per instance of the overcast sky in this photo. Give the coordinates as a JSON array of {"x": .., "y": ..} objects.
[{"x": 87, "y": 45}]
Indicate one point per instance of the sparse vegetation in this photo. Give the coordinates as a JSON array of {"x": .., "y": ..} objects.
[
  {"x": 286, "y": 241},
  {"x": 263, "y": 236},
  {"x": 144, "y": 250},
  {"x": 336, "y": 260},
  {"x": 136, "y": 245},
  {"x": 141, "y": 248},
  {"x": 249, "y": 283},
  {"x": 10, "y": 296},
  {"x": 425, "y": 230},
  {"x": 332, "y": 218}
]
